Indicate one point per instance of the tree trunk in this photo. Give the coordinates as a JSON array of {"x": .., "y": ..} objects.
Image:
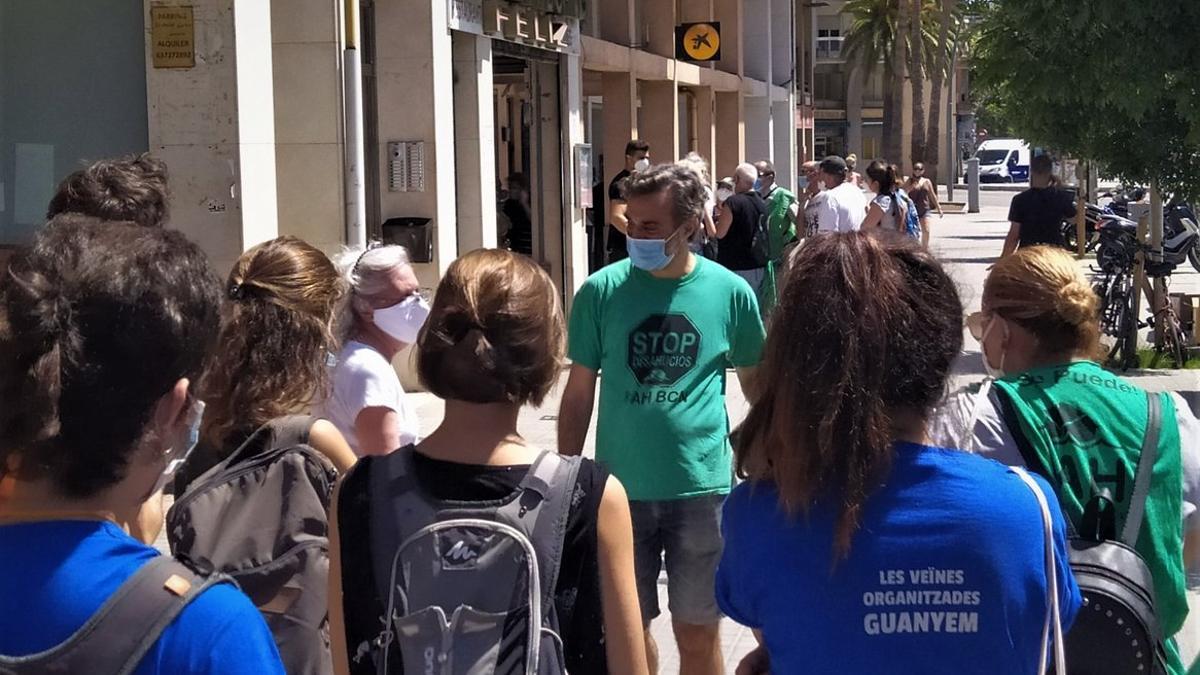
[
  {"x": 893, "y": 74},
  {"x": 916, "y": 73},
  {"x": 942, "y": 65}
]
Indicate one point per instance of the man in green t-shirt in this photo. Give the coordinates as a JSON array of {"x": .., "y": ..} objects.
[
  {"x": 783, "y": 210},
  {"x": 662, "y": 327}
]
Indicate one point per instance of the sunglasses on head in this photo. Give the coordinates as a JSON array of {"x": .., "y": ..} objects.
[{"x": 977, "y": 323}]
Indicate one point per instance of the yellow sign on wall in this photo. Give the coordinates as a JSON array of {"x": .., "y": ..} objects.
[
  {"x": 698, "y": 41},
  {"x": 173, "y": 37}
]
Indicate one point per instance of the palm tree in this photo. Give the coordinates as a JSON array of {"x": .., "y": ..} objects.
[
  {"x": 916, "y": 73},
  {"x": 947, "y": 43},
  {"x": 870, "y": 41}
]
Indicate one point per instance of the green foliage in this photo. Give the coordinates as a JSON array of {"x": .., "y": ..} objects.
[
  {"x": 1108, "y": 80},
  {"x": 872, "y": 32}
]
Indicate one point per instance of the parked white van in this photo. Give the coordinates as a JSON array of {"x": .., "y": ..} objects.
[{"x": 1003, "y": 160}]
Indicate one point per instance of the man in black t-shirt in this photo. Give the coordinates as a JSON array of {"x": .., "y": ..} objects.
[
  {"x": 1036, "y": 215},
  {"x": 637, "y": 158},
  {"x": 740, "y": 216}
]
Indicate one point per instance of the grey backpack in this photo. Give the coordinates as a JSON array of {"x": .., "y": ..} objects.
[
  {"x": 261, "y": 517},
  {"x": 115, "y": 639},
  {"x": 468, "y": 587}
]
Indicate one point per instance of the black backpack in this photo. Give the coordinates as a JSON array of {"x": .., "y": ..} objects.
[
  {"x": 115, "y": 639},
  {"x": 261, "y": 516},
  {"x": 1117, "y": 629}
]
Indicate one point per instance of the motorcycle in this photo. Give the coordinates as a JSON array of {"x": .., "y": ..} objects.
[{"x": 1117, "y": 245}]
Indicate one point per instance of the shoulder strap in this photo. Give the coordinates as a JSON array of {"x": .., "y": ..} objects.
[
  {"x": 292, "y": 429},
  {"x": 281, "y": 432},
  {"x": 120, "y": 634},
  {"x": 1013, "y": 421},
  {"x": 1145, "y": 468},
  {"x": 1032, "y": 460},
  {"x": 397, "y": 507},
  {"x": 547, "y": 489}
]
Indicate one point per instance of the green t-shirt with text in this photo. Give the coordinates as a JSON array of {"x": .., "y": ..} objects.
[{"x": 661, "y": 347}]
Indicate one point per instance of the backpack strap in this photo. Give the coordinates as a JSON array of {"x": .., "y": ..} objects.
[
  {"x": 397, "y": 507},
  {"x": 548, "y": 490},
  {"x": 1094, "y": 509},
  {"x": 119, "y": 635},
  {"x": 281, "y": 432},
  {"x": 1145, "y": 468},
  {"x": 1033, "y": 461}
]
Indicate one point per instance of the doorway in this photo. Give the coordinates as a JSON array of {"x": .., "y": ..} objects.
[{"x": 529, "y": 194}]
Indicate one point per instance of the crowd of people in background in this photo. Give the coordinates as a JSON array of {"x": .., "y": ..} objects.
[{"x": 269, "y": 407}]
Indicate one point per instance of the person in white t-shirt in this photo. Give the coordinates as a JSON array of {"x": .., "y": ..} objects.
[
  {"x": 385, "y": 313},
  {"x": 842, "y": 206}
]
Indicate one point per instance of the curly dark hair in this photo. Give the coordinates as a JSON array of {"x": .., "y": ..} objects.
[
  {"x": 132, "y": 188},
  {"x": 277, "y": 323},
  {"x": 495, "y": 332},
  {"x": 865, "y": 331},
  {"x": 98, "y": 320},
  {"x": 686, "y": 190}
]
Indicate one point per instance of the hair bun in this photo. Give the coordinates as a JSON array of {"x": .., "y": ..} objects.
[{"x": 1077, "y": 303}]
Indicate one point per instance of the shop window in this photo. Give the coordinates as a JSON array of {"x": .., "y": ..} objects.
[{"x": 81, "y": 96}]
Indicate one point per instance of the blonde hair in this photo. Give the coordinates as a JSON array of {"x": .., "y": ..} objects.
[
  {"x": 1041, "y": 289},
  {"x": 495, "y": 332}
]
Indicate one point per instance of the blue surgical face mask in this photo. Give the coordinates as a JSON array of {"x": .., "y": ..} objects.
[
  {"x": 649, "y": 254},
  {"x": 757, "y": 184},
  {"x": 188, "y": 438}
]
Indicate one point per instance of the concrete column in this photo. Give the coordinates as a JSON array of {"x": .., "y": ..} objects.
[
  {"x": 474, "y": 142},
  {"x": 696, "y": 10},
  {"x": 309, "y": 140},
  {"x": 758, "y": 128},
  {"x": 783, "y": 118},
  {"x": 756, "y": 33},
  {"x": 660, "y": 105},
  {"x": 575, "y": 240},
  {"x": 620, "y": 120},
  {"x": 414, "y": 72},
  {"x": 731, "y": 133},
  {"x": 214, "y": 126},
  {"x": 616, "y": 22},
  {"x": 660, "y": 27},
  {"x": 706, "y": 127},
  {"x": 729, "y": 13}
]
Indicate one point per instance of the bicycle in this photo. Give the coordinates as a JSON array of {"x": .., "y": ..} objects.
[{"x": 1116, "y": 291}]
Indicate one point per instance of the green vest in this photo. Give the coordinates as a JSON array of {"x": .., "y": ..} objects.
[
  {"x": 782, "y": 232},
  {"x": 1087, "y": 425}
]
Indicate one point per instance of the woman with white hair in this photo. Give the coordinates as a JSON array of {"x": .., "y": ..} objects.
[
  {"x": 708, "y": 233},
  {"x": 384, "y": 314}
]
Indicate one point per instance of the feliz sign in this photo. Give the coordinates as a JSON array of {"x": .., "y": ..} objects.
[{"x": 533, "y": 27}]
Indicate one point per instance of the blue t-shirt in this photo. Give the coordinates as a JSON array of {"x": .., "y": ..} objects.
[
  {"x": 946, "y": 573},
  {"x": 60, "y": 572}
]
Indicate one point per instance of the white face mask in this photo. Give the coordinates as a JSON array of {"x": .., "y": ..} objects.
[
  {"x": 723, "y": 194},
  {"x": 996, "y": 371},
  {"x": 404, "y": 319},
  {"x": 641, "y": 165}
]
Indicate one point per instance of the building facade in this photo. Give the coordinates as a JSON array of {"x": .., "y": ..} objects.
[{"x": 250, "y": 104}]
